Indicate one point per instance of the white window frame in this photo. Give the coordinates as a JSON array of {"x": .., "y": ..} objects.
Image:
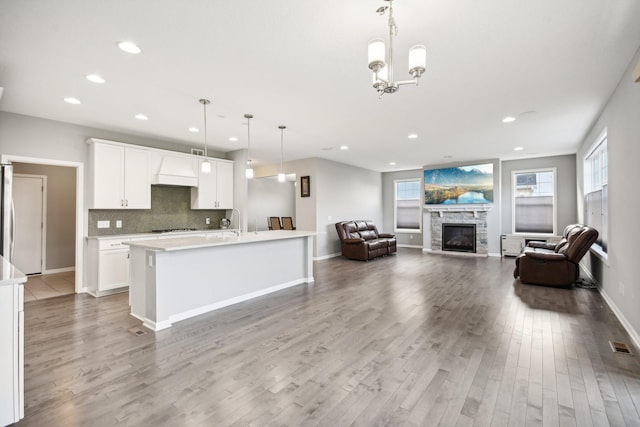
[
  {"x": 395, "y": 206},
  {"x": 596, "y": 248},
  {"x": 555, "y": 200}
]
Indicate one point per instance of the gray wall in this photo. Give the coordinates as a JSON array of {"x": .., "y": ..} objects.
[
  {"x": 338, "y": 192},
  {"x": 618, "y": 276},
  {"x": 388, "y": 196},
  {"x": 493, "y": 216},
  {"x": 61, "y": 212},
  {"x": 565, "y": 185},
  {"x": 344, "y": 193},
  {"x": 268, "y": 197}
]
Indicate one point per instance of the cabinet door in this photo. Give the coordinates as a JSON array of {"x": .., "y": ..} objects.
[
  {"x": 137, "y": 187},
  {"x": 224, "y": 185},
  {"x": 114, "y": 270},
  {"x": 108, "y": 176},
  {"x": 204, "y": 196}
]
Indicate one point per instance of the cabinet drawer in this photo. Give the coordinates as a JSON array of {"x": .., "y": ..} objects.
[{"x": 112, "y": 244}]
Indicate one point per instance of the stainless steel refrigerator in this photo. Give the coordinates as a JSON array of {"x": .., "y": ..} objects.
[{"x": 7, "y": 216}]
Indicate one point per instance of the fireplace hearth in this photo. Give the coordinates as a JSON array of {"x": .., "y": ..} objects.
[{"x": 459, "y": 237}]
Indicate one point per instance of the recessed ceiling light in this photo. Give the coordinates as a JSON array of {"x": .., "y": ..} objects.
[
  {"x": 95, "y": 78},
  {"x": 392, "y": 163},
  {"x": 412, "y": 136},
  {"x": 233, "y": 139},
  {"x": 72, "y": 100},
  {"x": 344, "y": 147},
  {"x": 508, "y": 119},
  {"x": 141, "y": 117},
  {"x": 518, "y": 149},
  {"x": 129, "y": 47},
  {"x": 194, "y": 130}
]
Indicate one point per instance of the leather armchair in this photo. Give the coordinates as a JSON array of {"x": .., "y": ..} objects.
[
  {"x": 555, "y": 264},
  {"x": 360, "y": 240}
]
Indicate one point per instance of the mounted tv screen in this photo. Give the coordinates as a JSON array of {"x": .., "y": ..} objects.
[{"x": 460, "y": 185}]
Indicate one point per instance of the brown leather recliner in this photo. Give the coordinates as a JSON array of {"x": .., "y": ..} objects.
[
  {"x": 555, "y": 264},
  {"x": 360, "y": 240}
]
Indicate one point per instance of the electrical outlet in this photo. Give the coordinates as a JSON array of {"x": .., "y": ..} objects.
[
  {"x": 104, "y": 224},
  {"x": 207, "y": 221},
  {"x": 329, "y": 218},
  {"x": 119, "y": 224},
  {"x": 410, "y": 236}
]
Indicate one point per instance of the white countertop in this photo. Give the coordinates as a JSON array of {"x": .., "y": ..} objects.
[
  {"x": 9, "y": 274},
  {"x": 193, "y": 242},
  {"x": 161, "y": 235}
]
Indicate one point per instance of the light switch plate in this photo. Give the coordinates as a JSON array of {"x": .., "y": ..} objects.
[
  {"x": 118, "y": 224},
  {"x": 104, "y": 224}
]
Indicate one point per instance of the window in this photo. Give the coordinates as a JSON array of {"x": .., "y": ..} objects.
[
  {"x": 407, "y": 205},
  {"x": 534, "y": 201},
  {"x": 596, "y": 190}
]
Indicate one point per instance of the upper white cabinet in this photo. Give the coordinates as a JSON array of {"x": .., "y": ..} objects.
[
  {"x": 120, "y": 176},
  {"x": 215, "y": 189}
]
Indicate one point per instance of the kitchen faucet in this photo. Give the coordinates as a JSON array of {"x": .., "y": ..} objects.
[{"x": 239, "y": 220}]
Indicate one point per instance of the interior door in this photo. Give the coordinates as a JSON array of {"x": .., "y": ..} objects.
[{"x": 28, "y": 194}]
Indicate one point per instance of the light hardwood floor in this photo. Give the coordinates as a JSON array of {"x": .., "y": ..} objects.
[{"x": 413, "y": 339}]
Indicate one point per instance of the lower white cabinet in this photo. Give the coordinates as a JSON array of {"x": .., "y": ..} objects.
[
  {"x": 108, "y": 266},
  {"x": 11, "y": 353}
]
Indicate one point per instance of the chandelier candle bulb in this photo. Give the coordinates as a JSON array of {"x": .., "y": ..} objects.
[
  {"x": 417, "y": 60},
  {"x": 377, "y": 50}
]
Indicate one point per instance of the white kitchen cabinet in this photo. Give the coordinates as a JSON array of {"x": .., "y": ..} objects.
[
  {"x": 120, "y": 176},
  {"x": 12, "y": 348},
  {"x": 108, "y": 266},
  {"x": 215, "y": 189}
]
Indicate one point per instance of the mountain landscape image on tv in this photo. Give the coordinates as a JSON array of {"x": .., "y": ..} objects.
[{"x": 459, "y": 185}]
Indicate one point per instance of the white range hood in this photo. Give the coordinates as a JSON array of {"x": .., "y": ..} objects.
[{"x": 177, "y": 171}]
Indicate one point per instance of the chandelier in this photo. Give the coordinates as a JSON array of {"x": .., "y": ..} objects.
[
  {"x": 382, "y": 71},
  {"x": 281, "y": 176},
  {"x": 249, "y": 170},
  {"x": 205, "y": 165}
]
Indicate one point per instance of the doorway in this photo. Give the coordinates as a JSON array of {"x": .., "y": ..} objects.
[
  {"x": 73, "y": 233},
  {"x": 29, "y": 193}
]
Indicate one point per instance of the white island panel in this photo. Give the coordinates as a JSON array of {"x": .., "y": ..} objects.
[{"x": 172, "y": 281}]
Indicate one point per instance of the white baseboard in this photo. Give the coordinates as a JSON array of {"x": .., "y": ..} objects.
[
  {"x": 410, "y": 246},
  {"x": 623, "y": 320},
  {"x": 59, "y": 270},
  {"x": 323, "y": 257}
]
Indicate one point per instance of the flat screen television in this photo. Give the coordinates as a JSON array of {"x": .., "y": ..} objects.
[{"x": 459, "y": 185}]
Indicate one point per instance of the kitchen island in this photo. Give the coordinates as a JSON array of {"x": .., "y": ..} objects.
[{"x": 175, "y": 279}]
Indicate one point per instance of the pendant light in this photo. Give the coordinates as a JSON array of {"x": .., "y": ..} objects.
[
  {"x": 281, "y": 176},
  {"x": 205, "y": 167},
  {"x": 249, "y": 170}
]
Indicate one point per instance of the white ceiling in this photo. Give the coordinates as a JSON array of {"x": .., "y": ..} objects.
[{"x": 303, "y": 64}]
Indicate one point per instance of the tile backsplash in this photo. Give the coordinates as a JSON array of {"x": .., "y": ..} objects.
[{"x": 170, "y": 208}]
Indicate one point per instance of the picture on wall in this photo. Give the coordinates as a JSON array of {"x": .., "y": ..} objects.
[
  {"x": 459, "y": 185},
  {"x": 305, "y": 186}
]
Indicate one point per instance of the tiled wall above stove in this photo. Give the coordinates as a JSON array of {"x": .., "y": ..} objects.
[{"x": 170, "y": 208}]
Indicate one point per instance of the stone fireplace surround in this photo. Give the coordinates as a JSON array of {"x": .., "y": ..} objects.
[{"x": 470, "y": 214}]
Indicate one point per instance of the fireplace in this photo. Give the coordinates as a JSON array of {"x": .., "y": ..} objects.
[{"x": 459, "y": 237}]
